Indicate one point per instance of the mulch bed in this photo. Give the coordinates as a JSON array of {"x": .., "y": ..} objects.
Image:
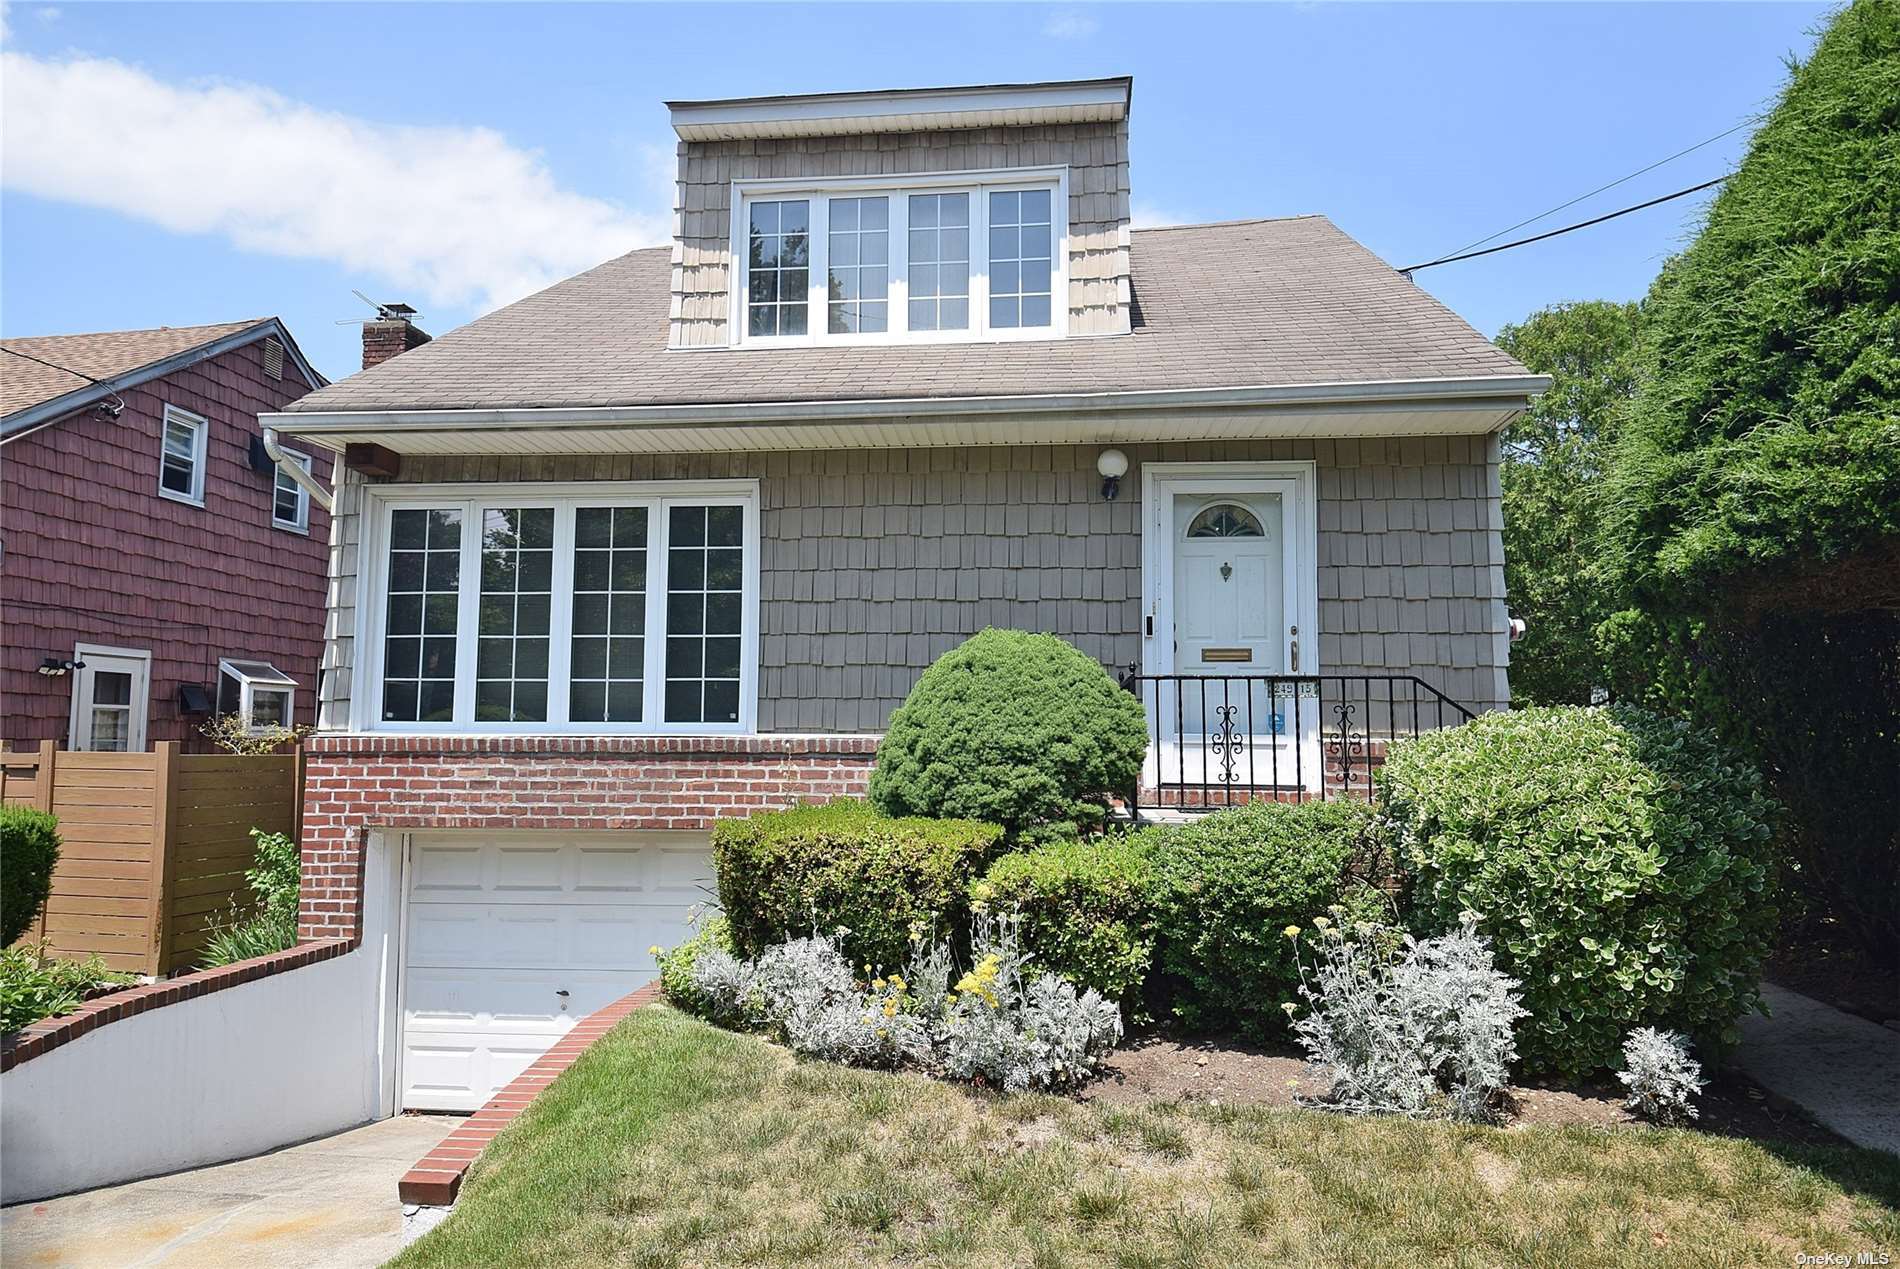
[{"x": 1157, "y": 1067}]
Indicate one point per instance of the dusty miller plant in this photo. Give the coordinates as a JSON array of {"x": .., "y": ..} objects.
[
  {"x": 1421, "y": 1028},
  {"x": 1002, "y": 1023},
  {"x": 1661, "y": 1076}
]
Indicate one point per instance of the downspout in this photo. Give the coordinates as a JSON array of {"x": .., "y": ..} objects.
[{"x": 293, "y": 469}]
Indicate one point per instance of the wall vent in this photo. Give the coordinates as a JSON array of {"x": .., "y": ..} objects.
[{"x": 273, "y": 358}]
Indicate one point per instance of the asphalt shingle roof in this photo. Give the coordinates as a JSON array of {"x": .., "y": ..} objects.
[
  {"x": 26, "y": 378},
  {"x": 1241, "y": 304}
]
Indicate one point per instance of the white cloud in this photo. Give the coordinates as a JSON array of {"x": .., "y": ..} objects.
[
  {"x": 1069, "y": 24},
  {"x": 443, "y": 215},
  {"x": 1146, "y": 215}
]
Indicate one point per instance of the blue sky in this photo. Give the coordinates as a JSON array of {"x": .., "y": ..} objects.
[{"x": 176, "y": 164}]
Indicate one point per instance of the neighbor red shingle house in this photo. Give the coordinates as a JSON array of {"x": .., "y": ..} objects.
[{"x": 154, "y": 560}]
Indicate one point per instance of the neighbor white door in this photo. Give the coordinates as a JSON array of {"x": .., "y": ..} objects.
[
  {"x": 112, "y": 690},
  {"x": 512, "y": 938}
]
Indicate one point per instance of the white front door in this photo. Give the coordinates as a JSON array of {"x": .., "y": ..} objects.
[
  {"x": 512, "y": 938},
  {"x": 112, "y": 689},
  {"x": 1231, "y": 592}
]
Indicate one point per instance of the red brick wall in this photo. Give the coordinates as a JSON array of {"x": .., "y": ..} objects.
[
  {"x": 95, "y": 555},
  {"x": 356, "y": 783}
]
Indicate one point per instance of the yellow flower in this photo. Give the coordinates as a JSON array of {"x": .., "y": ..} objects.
[
  {"x": 1320, "y": 923},
  {"x": 654, "y": 950},
  {"x": 1292, "y": 931},
  {"x": 877, "y": 984}
]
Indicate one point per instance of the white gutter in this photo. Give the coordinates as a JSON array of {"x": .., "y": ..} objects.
[
  {"x": 294, "y": 469},
  {"x": 1437, "y": 392}
]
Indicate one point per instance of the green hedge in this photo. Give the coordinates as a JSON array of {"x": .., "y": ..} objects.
[
  {"x": 1620, "y": 862},
  {"x": 1085, "y": 907},
  {"x": 1227, "y": 887},
  {"x": 29, "y": 847},
  {"x": 1015, "y": 729},
  {"x": 783, "y": 874}
]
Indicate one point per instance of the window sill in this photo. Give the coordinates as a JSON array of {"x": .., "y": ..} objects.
[
  {"x": 175, "y": 496},
  {"x": 301, "y": 530}
]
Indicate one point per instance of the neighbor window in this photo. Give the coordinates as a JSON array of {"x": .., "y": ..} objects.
[
  {"x": 181, "y": 459},
  {"x": 589, "y": 611},
  {"x": 257, "y": 691},
  {"x": 945, "y": 258},
  {"x": 290, "y": 502}
]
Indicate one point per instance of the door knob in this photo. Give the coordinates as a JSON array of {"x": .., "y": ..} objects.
[{"x": 1295, "y": 632}]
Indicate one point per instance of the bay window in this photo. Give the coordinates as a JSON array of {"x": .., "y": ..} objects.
[
  {"x": 619, "y": 608},
  {"x": 917, "y": 258}
]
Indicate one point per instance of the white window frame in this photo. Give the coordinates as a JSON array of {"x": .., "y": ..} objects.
[
  {"x": 92, "y": 658},
  {"x": 248, "y": 688},
  {"x": 302, "y": 523},
  {"x": 978, "y": 184},
  {"x": 657, "y": 495},
  {"x": 201, "y": 427}
]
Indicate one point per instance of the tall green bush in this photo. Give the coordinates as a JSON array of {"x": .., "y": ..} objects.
[
  {"x": 1085, "y": 907},
  {"x": 29, "y": 847},
  {"x": 784, "y": 874},
  {"x": 1752, "y": 504},
  {"x": 1227, "y": 886},
  {"x": 1015, "y": 729},
  {"x": 1621, "y": 863}
]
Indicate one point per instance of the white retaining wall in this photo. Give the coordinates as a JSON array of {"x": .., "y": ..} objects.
[{"x": 221, "y": 1076}]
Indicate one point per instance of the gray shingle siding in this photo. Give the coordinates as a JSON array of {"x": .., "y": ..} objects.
[{"x": 874, "y": 562}]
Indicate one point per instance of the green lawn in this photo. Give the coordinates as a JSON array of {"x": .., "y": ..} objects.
[{"x": 673, "y": 1143}]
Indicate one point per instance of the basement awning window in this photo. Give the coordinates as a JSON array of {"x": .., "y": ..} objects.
[{"x": 258, "y": 691}]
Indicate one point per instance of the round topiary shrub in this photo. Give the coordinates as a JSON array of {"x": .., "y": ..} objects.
[
  {"x": 1620, "y": 862},
  {"x": 1085, "y": 909},
  {"x": 813, "y": 869},
  {"x": 1015, "y": 729},
  {"x": 29, "y": 847},
  {"x": 1227, "y": 886}
]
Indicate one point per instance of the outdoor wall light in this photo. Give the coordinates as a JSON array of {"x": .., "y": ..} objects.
[
  {"x": 1113, "y": 465},
  {"x": 53, "y": 667}
]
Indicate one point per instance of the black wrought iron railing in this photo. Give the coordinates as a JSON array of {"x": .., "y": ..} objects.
[{"x": 1222, "y": 740}]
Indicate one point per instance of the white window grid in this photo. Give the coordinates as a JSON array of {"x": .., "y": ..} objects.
[
  {"x": 181, "y": 448},
  {"x": 818, "y": 198},
  {"x": 260, "y": 685},
  {"x": 290, "y": 501},
  {"x": 470, "y": 504}
]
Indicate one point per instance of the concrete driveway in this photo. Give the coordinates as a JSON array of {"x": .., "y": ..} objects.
[{"x": 329, "y": 1203}]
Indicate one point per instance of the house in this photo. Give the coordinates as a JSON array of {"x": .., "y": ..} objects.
[
  {"x": 158, "y": 566},
  {"x": 669, "y": 540}
]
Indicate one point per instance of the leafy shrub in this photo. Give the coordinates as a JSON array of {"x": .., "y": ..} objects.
[
  {"x": 29, "y": 847},
  {"x": 270, "y": 923},
  {"x": 1001, "y": 1024},
  {"x": 712, "y": 933},
  {"x": 1619, "y": 861},
  {"x": 33, "y": 986},
  {"x": 1227, "y": 885},
  {"x": 843, "y": 865},
  {"x": 1661, "y": 1076},
  {"x": 1015, "y": 729},
  {"x": 1425, "y": 1033},
  {"x": 1085, "y": 909}
]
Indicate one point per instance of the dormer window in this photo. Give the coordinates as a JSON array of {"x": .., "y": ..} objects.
[{"x": 955, "y": 256}]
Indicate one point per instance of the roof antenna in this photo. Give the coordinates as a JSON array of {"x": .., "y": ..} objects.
[{"x": 396, "y": 312}]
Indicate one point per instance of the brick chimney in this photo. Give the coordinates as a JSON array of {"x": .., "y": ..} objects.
[{"x": 391, "y": 333}]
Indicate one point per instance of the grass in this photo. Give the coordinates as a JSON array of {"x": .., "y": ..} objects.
[{"x": 672, "y": 1143}]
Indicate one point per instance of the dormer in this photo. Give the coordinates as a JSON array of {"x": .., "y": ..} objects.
[{"x": 936, "y": 215}]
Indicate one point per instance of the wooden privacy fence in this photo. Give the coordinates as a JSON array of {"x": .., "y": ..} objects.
[{"x": 153, "y": 845}]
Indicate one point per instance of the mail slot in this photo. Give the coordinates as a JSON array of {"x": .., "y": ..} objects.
[{"x": 1211, "y": 655}]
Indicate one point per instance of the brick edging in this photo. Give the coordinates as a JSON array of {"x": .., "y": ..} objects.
[
  {"x": 437, "y": 1176},
  {"x": 50, "y": 1033},
  {"x": 760, "y": 744}
]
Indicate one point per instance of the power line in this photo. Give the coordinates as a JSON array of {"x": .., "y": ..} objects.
[
  {"x": 52, "y": 365},
  {"x": 1582, "y": 224},
  {"x": 1593, "y": 193}
]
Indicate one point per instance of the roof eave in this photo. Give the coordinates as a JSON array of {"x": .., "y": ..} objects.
[
  {"x": 1511, "y": 393},
  {"x": 907, "y": 109},
  {"x": 56, "y": 408}
]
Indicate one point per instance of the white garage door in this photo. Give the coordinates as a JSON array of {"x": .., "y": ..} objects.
[{"x": 513, "y": 938}]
